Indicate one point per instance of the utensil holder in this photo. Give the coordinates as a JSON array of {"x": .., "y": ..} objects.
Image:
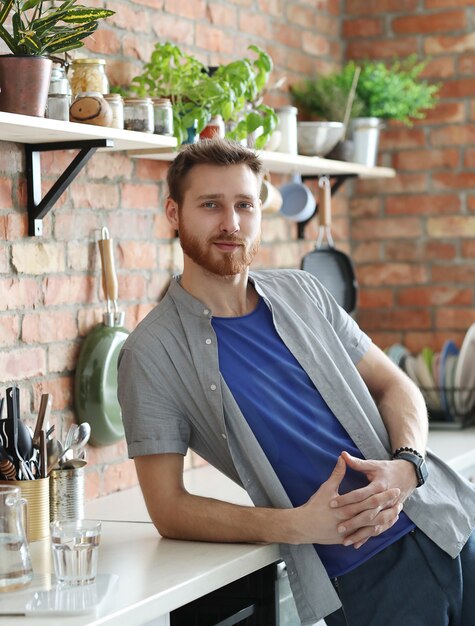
[
  {"x": 66, "y": 494},
  {"x": 36, "y": 493}
]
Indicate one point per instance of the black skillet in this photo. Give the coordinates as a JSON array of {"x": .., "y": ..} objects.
[{"x": 332, "y": 267}]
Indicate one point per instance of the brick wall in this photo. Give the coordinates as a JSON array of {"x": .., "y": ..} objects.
[
  {"x": 50, "y": 292},
  {"x": 414, "y": 238},
  {"x": 419, "y": 223}
]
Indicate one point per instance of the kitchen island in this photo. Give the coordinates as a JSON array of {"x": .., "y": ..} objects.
[{"x": 156, "y": 576}]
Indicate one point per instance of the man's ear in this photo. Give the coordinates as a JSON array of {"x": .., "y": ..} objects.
[{"x": 171, "y": 211}]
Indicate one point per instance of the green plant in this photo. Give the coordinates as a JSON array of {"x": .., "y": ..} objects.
[
  {"x": 40, "y": 27},
  {"x": 396, "y": 91},
  {"x": 233, "y": 91},
  {"x": 326, "y": 96},
  {"x": 388, "y": 92}
]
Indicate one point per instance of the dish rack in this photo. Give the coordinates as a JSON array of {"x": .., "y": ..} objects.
[{"x": 447, "y": 416}]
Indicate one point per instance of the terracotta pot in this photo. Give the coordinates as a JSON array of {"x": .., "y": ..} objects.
[{"x": 24, "y": 84}]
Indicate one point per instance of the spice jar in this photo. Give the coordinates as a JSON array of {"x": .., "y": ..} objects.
[
  {"x": 59, "y": 82},
  {"x": 57, "y": 107},
  {"x": 288, "y": 127},
  {"x": 138, "y": 114},
  {"x": 162, "y": 116},
  {"x": 214, "y": 128},
  {"x": 89, "y": 75},
  {"x": 117, "y": 107}
]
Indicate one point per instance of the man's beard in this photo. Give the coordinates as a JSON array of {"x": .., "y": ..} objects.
[{"x": 229, "y": 264}]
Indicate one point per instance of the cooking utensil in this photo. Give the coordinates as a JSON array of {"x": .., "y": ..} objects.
[
  {"x": 349, "y": 104},
  {"x": 43, "y": 415},
  {"x": 43, "y": 455},
  {"x": 332, "y": 267},
  {"x": 17, "y": 439},
  {"x": 7, "y": 469},
  {"x": 298, "y": 202},
  {"x": 96, "y": 372},
  {"x": 54, "y": 450}
]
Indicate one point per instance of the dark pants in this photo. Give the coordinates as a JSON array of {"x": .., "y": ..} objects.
[{"x": 410, "y": 583}]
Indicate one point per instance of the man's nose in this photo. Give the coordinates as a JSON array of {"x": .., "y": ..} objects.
[{"x": 230, "y": 221}]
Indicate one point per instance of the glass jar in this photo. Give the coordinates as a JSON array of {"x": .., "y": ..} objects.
[
  {"x": 59, "y": 82},
  {"x": 57, "y": 107},
  {"x": 214, "y": 128},
  {"x": 138, "y": 114},
  {"x": 163, "y": 116},
  {"x": 89, "y": 75},
  {"x": 117, "y": 107},
  {"x": 288, "y": 128}
]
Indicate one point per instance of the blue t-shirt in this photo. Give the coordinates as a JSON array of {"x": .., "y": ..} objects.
[{"x": 294, "y": 426}]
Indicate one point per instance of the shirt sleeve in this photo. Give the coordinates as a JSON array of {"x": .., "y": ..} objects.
[{"x": 153, "y": 421}]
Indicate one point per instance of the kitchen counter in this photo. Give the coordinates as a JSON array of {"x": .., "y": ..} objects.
[{"x": 158, "y": 575}]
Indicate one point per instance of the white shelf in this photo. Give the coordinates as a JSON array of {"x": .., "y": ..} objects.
[
  {"x": 281, "y": 163},
  {"x": 34, "y": 130}
]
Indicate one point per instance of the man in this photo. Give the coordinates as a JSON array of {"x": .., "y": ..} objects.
[{"x": 263, "y": 375}]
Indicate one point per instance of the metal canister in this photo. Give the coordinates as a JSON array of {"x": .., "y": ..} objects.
[{"x": 66, "y": 494}]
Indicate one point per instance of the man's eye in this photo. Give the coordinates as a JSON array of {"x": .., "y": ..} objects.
[
  {"x": 209, "y": 204},
  {"x": 247, "y": 206}
]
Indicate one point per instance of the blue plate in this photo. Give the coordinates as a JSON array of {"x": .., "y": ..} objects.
[{"x": 449, "y": 349}]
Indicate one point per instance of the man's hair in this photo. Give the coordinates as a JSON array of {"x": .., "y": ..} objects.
[{"x": 216, "y": 151}]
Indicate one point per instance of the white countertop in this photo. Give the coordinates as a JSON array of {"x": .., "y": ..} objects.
[{"x": 157, "y": 575}]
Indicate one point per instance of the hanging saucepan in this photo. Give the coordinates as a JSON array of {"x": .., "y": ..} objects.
[
  {"x": 332, "y": 267},
  {"x": 298, "y": 202},
  {"x": 96, "y": 372}
]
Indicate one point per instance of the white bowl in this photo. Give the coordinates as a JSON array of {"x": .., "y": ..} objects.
[{"x": 318, "y": 138}]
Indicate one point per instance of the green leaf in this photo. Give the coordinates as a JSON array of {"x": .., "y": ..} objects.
[
  {"x": 57, "y": 42},
  {"x": 30, "y": 4},
  {"x": 82, "y": 15},
  {"x": 5, "y": 10}
]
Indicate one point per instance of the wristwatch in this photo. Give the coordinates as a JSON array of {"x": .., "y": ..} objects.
[{"x": 408, "y": 454}]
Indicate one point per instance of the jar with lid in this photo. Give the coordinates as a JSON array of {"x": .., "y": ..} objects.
[
  {"x": 117, "y": 107},
  {"x": 288, "y": 127},
  {"x": 163, "y": 116},
  {"x": 88, "y": 75},
  {"x": 138, "y": 114},
  {"x": 59, "y": 82},
  {"x": 214, "y": 128},
  {"x": 57, "y": 106}
]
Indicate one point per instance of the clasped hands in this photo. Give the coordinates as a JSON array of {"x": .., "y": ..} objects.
[{"x": 352, "y": 518}]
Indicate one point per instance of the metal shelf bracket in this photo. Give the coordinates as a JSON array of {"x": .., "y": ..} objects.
[
  {"x": 38, "y": 207},
  {"x": 339, "y": 180}
]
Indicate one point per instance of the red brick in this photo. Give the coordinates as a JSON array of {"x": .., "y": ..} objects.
[
  {"x": 69, "y": 290},
  {"x": 137, "y": 255},
  {"x": 365, "y": 207},
  {"x": 149, "y": 170},
  {"x": 156, "y": 5},
  {"x": 384, "y": 319},
  {"x": 9, "y": 330},
  {"x": 469, "y": 158},
  {"x": 303, "y": 16},
  {"x": 293, "y": 37},
  {"x": 119, "y": 476},
  {"x": 459, "y": 274},
  {"x": 195, "y": 10},
  {"x": 127, "y": 226},
  {"x": 463, "y": 180},
  {"x": 62, "y": 357},
  {"x": 459, "y": 319},
  {"x": 110, "y": 165},
  {"x": 80, "y": 224},
  {"x": 104, "y": 41},
  {"x": 415, "y": 341},
  {"x": 144, "y": 197},
  {"x": 20, "y": 364},
  {"x": 382, "y": 48},
  {"x": 468, "y": 249},
  {"x": 313, "y": 43},
  {"x": 419, "y": 160},
  {"x": 443, "y": 21},
  {"x": 5, "y": 193},
  {"x": 373, "y": 7},
  {"x": 419, "y": 251},
  {"x": 44, "y": 327},
  {"x": 411, "y": 183},
  {"x": 453, "y": 226},
  {"x": 22, "y": 293},
  {"x": 363, "y": 27},
  {"x": 402, "y": 137},
  {"x": 132, "y": 287},
  {"x": 439, "y": 68},
  {"x": 221, "y": 15},
  {"x": 366, "y": 252},
  {"x": 433, "y": 296},
  {"x": 406, "y": 204},
  {"x": 466, "y": 64},
  {"x": 449, "y": 44},
  {"x": 384, "y": 228},
  {"x": 376, "y": 299},
  {"x": 443, "y": 112},
  {"x": 377, "y": 274},
  {"x": 440, "y": 4},
  {"x": 457, "y": 88},
  {"x": 129, "y": 18},
  {"x": 213, "y": 39},
  {"x": 94, "y": 196}
]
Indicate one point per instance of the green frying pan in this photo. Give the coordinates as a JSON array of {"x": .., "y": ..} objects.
[{"x": 95, "y": 383}]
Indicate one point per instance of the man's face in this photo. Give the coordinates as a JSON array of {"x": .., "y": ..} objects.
[{"x": 220, "y": 218}]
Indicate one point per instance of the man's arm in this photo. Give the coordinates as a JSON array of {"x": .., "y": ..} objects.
[
  {"x": 178, "y": 514},
  {"x": 404, "y": 414}
]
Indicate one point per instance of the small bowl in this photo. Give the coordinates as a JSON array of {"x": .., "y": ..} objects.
[{"x": 318, "y": 138}]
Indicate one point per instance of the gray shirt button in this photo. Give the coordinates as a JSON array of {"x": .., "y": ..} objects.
[
  {"x": 223, "y": 435},
  {"x": 208, "y": 341},
  {"x": 206, "y": 312},
  {"x": 212, "y": 387}
]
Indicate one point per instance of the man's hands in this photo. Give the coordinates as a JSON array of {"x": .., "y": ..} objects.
[{"x": 352, "y": 518}]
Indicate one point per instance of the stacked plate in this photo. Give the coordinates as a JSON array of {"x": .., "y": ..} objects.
[{"x": 446, "y": 378}]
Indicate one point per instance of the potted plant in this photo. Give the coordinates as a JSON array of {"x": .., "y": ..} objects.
[
  {"x": 383, "y": 92},
  {"x": 38, "y": 29},
  {"x": 233, "y": 91}
]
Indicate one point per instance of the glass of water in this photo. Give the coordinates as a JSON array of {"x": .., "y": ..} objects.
[{"x": 75, "y": 545}]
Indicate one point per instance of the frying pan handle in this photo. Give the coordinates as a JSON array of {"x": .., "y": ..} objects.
[
  {"x": 109, "y": 277},
  {"x": 324, "y": 202}
]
